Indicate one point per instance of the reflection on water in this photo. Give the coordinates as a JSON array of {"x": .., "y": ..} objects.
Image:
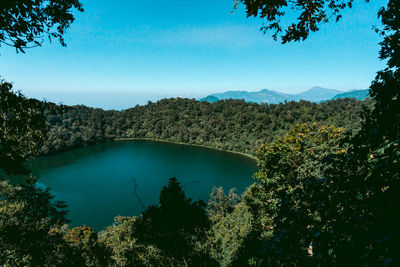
[
  {"x": 68, "y": 157},
  {"x": 121, "y": 178}
]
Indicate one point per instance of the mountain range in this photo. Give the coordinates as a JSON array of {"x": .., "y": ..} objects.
[
  {"x": 315, "y": 94},
  {"x": 357, "y": 94}
]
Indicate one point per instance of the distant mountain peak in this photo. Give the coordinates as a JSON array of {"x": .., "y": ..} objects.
[
  {"x": 317, "y": 94},
  {"x": 314, "y": 94},
  {"x": 266, "y": 90},
  {"x": 316, "y": 88}
]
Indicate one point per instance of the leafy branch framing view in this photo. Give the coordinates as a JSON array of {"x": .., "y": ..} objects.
[{"x": 321, "y": 197}]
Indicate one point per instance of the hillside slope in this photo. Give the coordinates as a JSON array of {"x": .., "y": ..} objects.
[
  {"x": 357, "y": 94},
  {"x": 229, "y": 125}
]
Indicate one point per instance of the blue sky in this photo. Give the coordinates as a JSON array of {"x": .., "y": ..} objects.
[{"x": 124, "y": 52}]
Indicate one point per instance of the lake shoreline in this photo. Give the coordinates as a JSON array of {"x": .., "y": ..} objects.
[
  {"x": 185, "y": 144},
  {"x": 121, "y": 177}
]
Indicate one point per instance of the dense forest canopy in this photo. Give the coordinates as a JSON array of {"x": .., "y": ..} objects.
[
  {"x": 232, "y": 125},
  {"x": 22, "y": 130},
  {"x": 321, "y": 198},
  {"x": 224, "y": 125}
]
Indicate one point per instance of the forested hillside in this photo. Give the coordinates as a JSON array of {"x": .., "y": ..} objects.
[
  {"x": 232, "y": 125},
  {"x": 320, "y": 198}
]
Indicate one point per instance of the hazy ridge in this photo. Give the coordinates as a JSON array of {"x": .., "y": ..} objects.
[{"x": 316, "y": 94}]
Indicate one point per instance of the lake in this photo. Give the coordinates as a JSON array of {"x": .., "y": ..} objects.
[{"x": 119, "y": 178}]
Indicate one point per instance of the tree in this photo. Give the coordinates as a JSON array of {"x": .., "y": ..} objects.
[
  {"x": 175, "y": 226},
  {"x": 230, "y": 224},
  {"x": 310, "y": 14},
  {"x": 359, "y": 192},
  {"x": 220, "y": 204},
  {"x": 31, "y": 221},
  {"x": 22, "y": 129},
  {"x": 31, "y": 232},
  {"x": 286, "y": 199},
  {"x": 125, "y": 250},
  {"x": 385, "y": 89},
  {"x": 25, "y": 23},
  {"x": 383, "y": 124},
  {"x": 84, "y": 240}
]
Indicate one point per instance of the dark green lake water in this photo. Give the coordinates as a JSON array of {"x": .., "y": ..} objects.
[{"x": 98, "y": 182}]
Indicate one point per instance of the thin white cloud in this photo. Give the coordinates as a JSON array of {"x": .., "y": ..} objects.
[
  {"x": 214, "y": 36},
  {"x": 229, "y": 36}
]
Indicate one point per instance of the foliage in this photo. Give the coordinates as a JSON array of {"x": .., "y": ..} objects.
[
  {"x": 298, "y": 153},
  {"x": 125, "y": 250},
  {"x": 84, "y": 239},
  {"x": 321, "y": 198},
  {"x": 284, "y": 201},
  {"x": 309, "y": 15},
  {"x": 25, "y": 23},
  {"x": 31, "y": 222},
  {"x": 353, "y": 198},
  {"x": 29, "y": 218},
  {"x": 175, "y": 226},
  {"x": 383, "y": 123},
  {"x": 375, "y": 156},
  {"x": 220, "y": 204},
  {"x": 315, "y": 204},
  {"x": 30, "y": 228},
  {"x": 228, "y": 233},
  {"x": 231, "y": 222},
  {"x": 229, "y": 125},
  {"x": 22, "y": 128},
  {"x": 77, "y": 126}
]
